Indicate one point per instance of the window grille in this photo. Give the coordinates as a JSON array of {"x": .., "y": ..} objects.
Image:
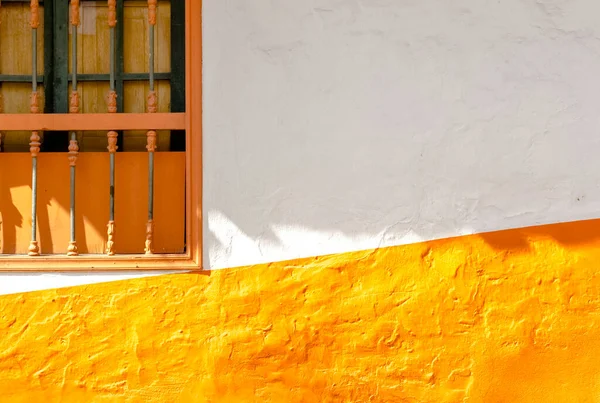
[{"x": 57, "y": 122}]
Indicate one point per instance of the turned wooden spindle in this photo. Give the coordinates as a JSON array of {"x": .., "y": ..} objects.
[
  {"x": 33, "y": 249},
  {"x": 152, "y": 102},
  {"x": 34, "y": 144},
  {"x": 34, "y": 6},
  {"x": 34, "y": 105},
  {"x": 112, "y": 13},
  {"x": 72, "y": 249},
  {"x": 73, "y": 152},
  {"x": 74, "y": 102},
  {"x": 35, "y": 139},
  {"x": 112, "y": 141},
  {"x": 75, "y": 12},
  {"x": 151, "y": 141},
  {"x": 149, "y": 244},
  {"x": 110, "y": 243},
  {"x": 112, "y": 102},
  {"x": 152, "y": 11}
]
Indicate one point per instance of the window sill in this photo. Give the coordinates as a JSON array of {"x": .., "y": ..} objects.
[{"x": 88, "y": 263}]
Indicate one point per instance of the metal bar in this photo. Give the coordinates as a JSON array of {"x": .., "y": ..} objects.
[
  {"x": 112, "y": 59},
  {"x": 34, "y": 59},
  {"x": 151, "y": 58},
  {"x": 112, "y": 134},
  {"x": 24, "y": 78},
  {"x": 151, "y": 185},
  {"x": 119, "y": 77},
  {"x": 72, "y": 243},
  {"x": 177, "y": 139},
  {"x": 93, "y": 121},
  {"x": 19, "y": 78},
  {"x": 74, "y": 56},
  {"x": 34, "y": 145},
  {"x": 48, "y": 78}
]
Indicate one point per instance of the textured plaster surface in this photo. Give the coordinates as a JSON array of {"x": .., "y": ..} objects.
[
  {"x": 504, "y": 317},
  {"x": 339, "y": 125}
]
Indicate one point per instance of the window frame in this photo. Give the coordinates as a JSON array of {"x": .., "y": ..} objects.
[{"x": 190, "y": 121}]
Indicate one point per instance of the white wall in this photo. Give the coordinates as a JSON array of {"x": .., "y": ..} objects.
[{"x": 336, "y": 125}]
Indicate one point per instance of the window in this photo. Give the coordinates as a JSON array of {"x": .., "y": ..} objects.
[{"x": 100, "y": 162}]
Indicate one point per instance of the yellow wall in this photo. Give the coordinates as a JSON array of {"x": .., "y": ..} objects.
[{"x": 504, "y": 317}]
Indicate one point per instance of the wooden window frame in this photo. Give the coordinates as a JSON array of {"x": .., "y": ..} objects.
[{"x": 190, "y": 121}]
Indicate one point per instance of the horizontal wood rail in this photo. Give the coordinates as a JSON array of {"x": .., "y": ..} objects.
[{"x": 93, "y": 121}]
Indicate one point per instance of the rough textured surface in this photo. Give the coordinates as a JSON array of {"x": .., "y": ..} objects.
[
  {"x": 503, "y": 317},
  {"x": 340, "y": 125}
]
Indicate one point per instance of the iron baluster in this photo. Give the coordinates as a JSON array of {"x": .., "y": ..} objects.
[
  {"x": 34, "y": 144},
  {"x": 73, "y": 108},
  {"x": 151, "y": 134},
  {"x": 112, "y": 135}
]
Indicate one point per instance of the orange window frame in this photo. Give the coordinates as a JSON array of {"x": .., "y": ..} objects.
[{"x": 190, "y": 121}]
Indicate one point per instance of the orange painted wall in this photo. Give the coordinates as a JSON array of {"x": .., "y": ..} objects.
[{"x": 504, "y": 317}]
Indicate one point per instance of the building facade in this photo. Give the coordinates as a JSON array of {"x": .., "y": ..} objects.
[{"x": 398, "y": 203}]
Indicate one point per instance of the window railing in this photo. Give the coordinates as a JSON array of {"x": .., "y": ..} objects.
[{"x": 90, "y": 185}]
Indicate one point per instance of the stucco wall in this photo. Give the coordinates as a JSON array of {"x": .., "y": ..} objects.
[
  {"x": 337, "y": 125},
  {"x": 470, "y": 319}
]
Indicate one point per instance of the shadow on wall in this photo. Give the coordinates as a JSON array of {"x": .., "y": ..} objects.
[
  {"x": 271, "y": 196},
  {"x": 516, "y": 240},
  {"x": 92, "y": 201},
  {"x": 566, "y": 234},
  {"x": 11, "y": 220},
  {"x": 12, "y": 215},
  {"x": 288, "y": 200}
]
